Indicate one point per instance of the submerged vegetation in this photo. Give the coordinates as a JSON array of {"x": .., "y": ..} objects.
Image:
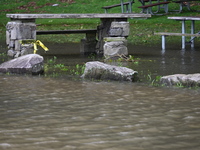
[
  {"x": 3, "y": 57},
  {"x": 54, "y": 69}
]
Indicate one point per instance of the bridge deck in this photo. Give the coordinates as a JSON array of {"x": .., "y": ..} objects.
[{"x": 71, "y": 16}]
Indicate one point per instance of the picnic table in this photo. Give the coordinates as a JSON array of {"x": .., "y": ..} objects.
[
  {"x": 192, "y": 34},
  {"x": 183, "y": 19},
  {"x": 128, "y": 5},
  {"x": 148, "y": 4},
  {"x": 163, "y": 4},
  {"x": 184, "y": 3}
]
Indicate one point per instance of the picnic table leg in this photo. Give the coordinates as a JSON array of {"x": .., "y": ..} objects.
[
  {"x": 183, "y": 32},
  {"x": 146, "y": 10},
  {"x": 149, "y": 9},
  {"x": 143, "y": 3},
  {"x": 130, "y": 6},
  {"x": 163, "y": 42},
  {"x": 158, "y": 7},
  {"x": 184, "y": 4},
  {"x": 122, "y": 6},
  {"x": 188, "y": 5},
  {"x": 166, "y": 8},
  {"x": 181, "y": 7},
  {"x": 192, "y": 32}
]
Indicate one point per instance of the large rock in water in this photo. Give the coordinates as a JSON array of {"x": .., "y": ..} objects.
[
  {"x": 101, "y": 71},
  {"x": 27, "y": 64},
  {"x": 188, "y": 80}
]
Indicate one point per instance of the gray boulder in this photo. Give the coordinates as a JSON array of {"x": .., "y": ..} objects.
[
  {"x": 101, "y": 71},
  {"x": 27, "y": 64},
  {"x": 188, "y": 80}
]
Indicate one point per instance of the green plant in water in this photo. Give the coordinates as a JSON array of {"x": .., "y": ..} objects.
[
  {"x": 149, "y": 77},
  {"x": 78, "y": 69},
  {"x": 52, "y": 60},
  {"x": 8, "y": 73},
  {"x": 3, "y": 54},
  {"x": 61, "y": 67},
  {"x": 154, "y": 82},
  {"x": 53, "y": 74},
  {"x": 130, "y": 58},
  {"x": 92, "y": 56},
  {"x": 179, "y": 84},
  {"x": 54, "y": 68}
]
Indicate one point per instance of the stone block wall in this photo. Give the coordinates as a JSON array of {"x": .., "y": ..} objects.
[
  {"x": 116, "y": 44},
  {"x": 17, "y": 31}
]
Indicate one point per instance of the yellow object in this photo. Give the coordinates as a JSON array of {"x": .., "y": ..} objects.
[
  {"x": 35, "y": 47},
  {"x": 38, "y": 42},
  {"x": 35, "y": 43}
]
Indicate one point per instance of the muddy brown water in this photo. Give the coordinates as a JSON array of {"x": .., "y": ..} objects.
[{"x": 48, "y": 113}]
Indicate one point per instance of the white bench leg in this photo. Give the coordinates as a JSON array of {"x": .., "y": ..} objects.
[
  {"x": 149, "y": 11},
  {"x": 122, "y": 6},
  {"x": 192, "y": 32},
  {"x": 181, "y": 7},
  {"x": 183, "y": 32},
  {"x": 130, "y": 6},
  {"x": 127, "y": 9},
  {"x": 163, "y": 42}
]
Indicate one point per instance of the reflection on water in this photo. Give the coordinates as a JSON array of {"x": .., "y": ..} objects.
[{"x": 38, "y": 112}]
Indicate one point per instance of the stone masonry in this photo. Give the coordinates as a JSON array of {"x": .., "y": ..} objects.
[
  {"x": 17, "y": 31},
  {"x": 116, "y": 44}
]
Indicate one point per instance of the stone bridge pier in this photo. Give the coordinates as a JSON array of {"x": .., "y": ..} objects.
[{"x": 19, "y": 30}]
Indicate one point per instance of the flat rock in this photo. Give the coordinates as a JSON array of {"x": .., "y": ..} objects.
[
  {"x": 188, "y": 80},
  {"x": 101, "y": 71},
  {"x": 27, "y": 64}
]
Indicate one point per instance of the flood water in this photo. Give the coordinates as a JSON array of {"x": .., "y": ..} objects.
[{"x": 59, "y": 113}]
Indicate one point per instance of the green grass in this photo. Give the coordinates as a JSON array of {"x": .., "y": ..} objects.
[{"x": 141, "y": 29}]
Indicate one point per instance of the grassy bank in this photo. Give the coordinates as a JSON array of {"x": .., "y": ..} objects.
[{"x": 141, "y": 29}]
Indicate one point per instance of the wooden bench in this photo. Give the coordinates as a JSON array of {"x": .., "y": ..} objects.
[
  {"x": 66, "y": 31},
  {"x": 90, "y": 38},
  {"x": 145, "y": 1},
  {"x": 164, "y": 34},
  {"x": 89, "y": 32},
  {"x": 118, "y": 5},
  {"x": 148, "y": 8}
]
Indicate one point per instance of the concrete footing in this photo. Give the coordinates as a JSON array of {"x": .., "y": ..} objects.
[
  {"x": 116, "y": 44},
  {"x": 17, "y": 31}
]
